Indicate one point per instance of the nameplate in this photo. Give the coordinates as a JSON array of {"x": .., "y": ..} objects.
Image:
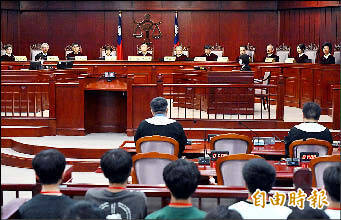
[
  {"x": 290, "y": 60},
  {"x": 20, "y": 58},
  {"x": 170, "y": 59},
  {"x": 52, "y": 58},
  {"x": 308, "y": 156},
  {"x": 223, "y": 59},
  {"x": 81, "y": 58},
  {"x": 110, "y": 58},
  {"x": 202, "y": 59},
  {"x": 140, "y": 58},
  {"x": 269, "y": 60}
]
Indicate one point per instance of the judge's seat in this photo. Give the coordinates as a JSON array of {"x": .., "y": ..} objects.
[
  {"x": 218, "y": 50},
  {"x": 157, "y": 143},
  {"x": 34, "y": 50},
  {"x": 148, "y": 167},
  {"x": 311, "y": 52},
  {"x": 229, "y": 169},
  {"x": 3, "y": 51},
  {"x": 310, "y": 145},
  {"x": 319, "y": 164},
  {"x": 337, "y": 55},
  {"x": 283, "y": 52},
  {"x": 233, "y": 143},
  {"x": 250, "y": 50}
]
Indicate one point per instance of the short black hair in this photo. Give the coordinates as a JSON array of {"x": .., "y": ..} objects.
[
  {"x": 331, "y": 180},
  {"x": 76, "y": 44},
  {"x": 116, "y": 165},
  {"x": 311, "y": 110},
  {"x": 259, "y": 174},
  {"x": 208, "y": 47},
  {"x": 245, "y": 59},
  {"x": 223, "y": 212},
  {"x": 308, "y": 213},
  {"x": 49, "y": 166},
  {"x": 8, "y": 46},
  {"x": 182, "y": 178},
  {"x": 328, "y": 44},
  {"x": 159, "y": 105},
  {"x": 108, "y": 48},
  {"x": 301, "y": 46},
  {"x": 243, "y": 46},
  {"x": 84, "y": 210}
]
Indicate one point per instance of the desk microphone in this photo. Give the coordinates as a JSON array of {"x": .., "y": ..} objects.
[
  {"x": 204, "y": 160},
  {"x": 275, "y": 136}
]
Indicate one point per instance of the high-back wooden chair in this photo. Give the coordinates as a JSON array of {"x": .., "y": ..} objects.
[
  {"x": 233, "y": 143},
  {"x": 311, "y": 52},
  {"x": 218, "y": 50},
  {"x": 264, "y": 94},
  {"x": 310, "y": 145},
  {"x": 283, "y": 52},
  {"x": 319, "y": 164},
  {"x": 250, "y": 50},
  {"x": 34, "y": 50},
  {"x": 157, "y": 143},
  {"x": 148, "y": 167},
  {"x": 229, "y": 169}
]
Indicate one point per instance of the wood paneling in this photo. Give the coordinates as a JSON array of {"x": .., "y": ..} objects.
[{"x": 9, "y": 29}]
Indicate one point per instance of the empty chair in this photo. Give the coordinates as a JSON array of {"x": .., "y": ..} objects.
[
  {"x": 263, "y": 94},
  {"x": 319, "y": 164},
  {"x": 157, "y": 143},
  {"x": 283, "y": 52},
  {"x": 148, "y": 167},
  {"x": 233, "y": 143},
  {"x": 310, "y": 145},
  {"x": 229, "y": 169}
]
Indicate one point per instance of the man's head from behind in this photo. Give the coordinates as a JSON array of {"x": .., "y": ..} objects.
[
  {"x": 49, "y": 166},
  {"x": 331, "y": 180},
  {"x": 116, "y": 165},
  {"x": 311, "y": 111},
  {"x": 158, "y": 105},
  {"x": 182, "y": 178},
  {"x": 223, "y": 212},
  {"x": 259, "y": 174},
  {"x": 84, "y": 210}
]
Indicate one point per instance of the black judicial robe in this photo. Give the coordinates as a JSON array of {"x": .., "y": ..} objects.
[
  {"x": 5, "y": 57},
  {"x": 71, "y": 56},
  {"x": 163, "y": 126},
  {"x": 147, "y": 54},
  {"x": 272, "y": 56},
  {"x": 307, "y": 130},
  {"x": 42, "y": 56},
  {"x": 182, "y": 57},
  {"x": 329, "y": 60},
  {"x": 302, "y": 59},
  {"x": 210, "y": 57},
  {"x": 245, "y": 68}
]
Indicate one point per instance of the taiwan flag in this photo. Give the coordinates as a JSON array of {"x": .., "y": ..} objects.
[
  {"x": 176, "y": 31},
  {"x": 119, "y": 51}
]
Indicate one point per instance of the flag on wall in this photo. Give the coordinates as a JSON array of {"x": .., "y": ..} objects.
[
  {"x": 176, "y": 31},
  {"x": 119, "y": 51}
]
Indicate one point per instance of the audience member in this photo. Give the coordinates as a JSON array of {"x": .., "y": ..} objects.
[
  {"x": 84, "y": 210},
  {"x": 309, "y": 128},
  {"x": 116, "y": 201},
  {"x": 270, "y": 53},
  {"x": 8, "y": 56},
  {"x": 308, "y": 213},
  {"x": 223, "y": 212},
  {"x": 161, "y": 125},
  {"x": 331, "y": 180},
  {"x": 181, "y": 178},
  {"x": 327, "y": 58},
  {"x": 49, "y": 166},
  {"x": 45, "y": 52},
  {"x": 259, "y": 174}
]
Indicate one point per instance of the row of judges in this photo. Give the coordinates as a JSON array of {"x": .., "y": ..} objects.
[{"x": 327, "y": 58}]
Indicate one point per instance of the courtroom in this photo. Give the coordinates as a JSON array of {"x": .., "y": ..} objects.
[{"x": 170, "y": 109}]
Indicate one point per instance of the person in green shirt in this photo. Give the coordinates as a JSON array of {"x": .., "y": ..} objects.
[{"x": 181, "y": 178}]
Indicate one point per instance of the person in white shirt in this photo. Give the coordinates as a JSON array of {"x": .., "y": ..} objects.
[
  {"x": 331, "y": 180},
  {"x": 259, "y": 174}
]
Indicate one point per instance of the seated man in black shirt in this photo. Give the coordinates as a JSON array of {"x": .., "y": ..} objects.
[
  {"x": 270, "y": 53},
  {"x": 159, "y": 124},
  {"x": 309, "y": 128},
  {"x": 327, "y": 57},
  {"x": 49, "y": 166},
  {"x": 209, "y": 56},
  {"x": 8, "y": 56},
  {"x": 45, "y": 52},
  {"x": 75, "y": 52}
]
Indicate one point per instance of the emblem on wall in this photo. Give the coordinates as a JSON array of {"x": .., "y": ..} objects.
[{"x": 147, "y": 26}]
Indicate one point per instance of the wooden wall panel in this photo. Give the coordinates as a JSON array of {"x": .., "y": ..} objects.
[{"x": 9, "y": 28}]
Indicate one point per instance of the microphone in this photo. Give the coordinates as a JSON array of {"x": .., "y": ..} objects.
[
  {"x": 204, "y": 160},
  {"x": 257, "y": 136}
]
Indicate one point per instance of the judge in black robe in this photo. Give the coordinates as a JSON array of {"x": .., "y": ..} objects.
[
  {"x": 209, "y": 56},
  {"x": 45, "y": 52},
  {"x": 144, "y": 50},
  {"x": 161, "y": 125},
  {"x": 270, "y": 53},
  {"x": 327, "y": 58},
  {"x": 76, "y": 51},
  {"x": 310, "y": 128},
  {"x": 8, "y": 56},
  {"x": 144, "y": 54},
  {"x": 301, "y": 57},
  {"x": 179, "y": 56}
]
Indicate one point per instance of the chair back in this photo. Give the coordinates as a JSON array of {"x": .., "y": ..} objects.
[
  {"x": 310, "y": 145},
  {"x": 233, "y": 143},
  {"x": 157, "y": 143},
  {"x": 3, "y": 51},
  {"x": 319, "y": 164},
  {"x": 229, "y": 169},
  {"x": 250, "y": 50},
  {"x": 283, "y": 52},
  {"x": 34, "y": 50},
  {"x": 148, "y": 167},
  {"x": 337, "y": 55}
]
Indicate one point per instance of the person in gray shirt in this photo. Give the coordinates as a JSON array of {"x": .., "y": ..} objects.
[{"x": 116, "y": 201}]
